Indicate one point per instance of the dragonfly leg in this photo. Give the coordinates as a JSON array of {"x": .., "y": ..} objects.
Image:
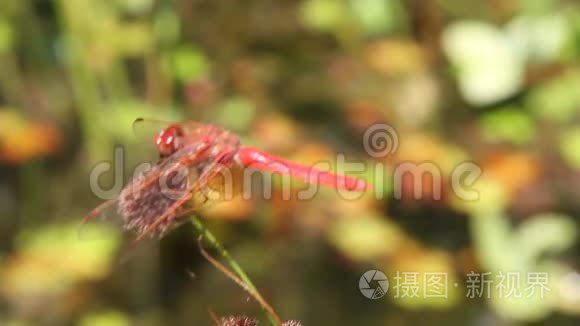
[
  {"x": 213, "y": 169},
  {"x": 95, "y": 212}
]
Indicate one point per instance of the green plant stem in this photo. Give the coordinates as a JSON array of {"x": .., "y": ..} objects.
[
  {"x": 32, "y": 181},
  {"x": 84, "y": 83},
  {"x": 212, "y": 240}
]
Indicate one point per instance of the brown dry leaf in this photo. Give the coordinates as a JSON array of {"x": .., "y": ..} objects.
[
  {"x": 199, "y": 93},
  {"x": 312, "y": 153},
  {"x": 512, "y": 170},
  {"x": 423, "y": 277},
  {"x": 423, "y": 147},
  {"x": 423, "y": 184},
  {"x": 428, "y": 158},
  {"x": 247, "y": 76},
  {"x": 396, "y": 57},
  {"x": 225, "y": 192},
  {"x": 362, "y": 114},
  {"x": 22, "y": 140},
  {"x": 275, "y": 132},
  {"x": 344, "y": 69},
  {"x": 235, "y": 209},
  {"x": 467, "y": 260}
]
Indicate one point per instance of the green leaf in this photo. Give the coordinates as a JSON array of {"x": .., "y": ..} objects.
[
  {"x": 557, "y": 100},
  {"x": 79, "y": 258},
  {"x": 535, "y": 6},
  {"x": 136, "y": 6},
  {"x": 569, "y": 145},
  {"x": 237, "y": 113},
  {"x": 545, "y": 233},
  {"x": 539, "y": 37},
  {"x": 323, "y": 15},
  {"x": 166, "y": 27},
  {"x": 508, "y": 124},
  {"x": 376, "y": 16},
  {"x": 6, "y": 36},
  {"x": 365, "y": 237},
  {"x": 108, "y": 318},
  {"x": 189, "y": 63},
  {"x": 134, "y": 39},
  {"x": 488, "y": 67}
]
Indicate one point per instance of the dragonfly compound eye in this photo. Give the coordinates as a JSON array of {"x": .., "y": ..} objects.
[{"x": 167, "y": 140}]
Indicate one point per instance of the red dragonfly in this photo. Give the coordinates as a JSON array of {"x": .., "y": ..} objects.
[{"x": 160, "y": 199}]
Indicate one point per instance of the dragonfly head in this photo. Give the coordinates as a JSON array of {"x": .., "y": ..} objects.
[{"x": 167, "y": 140}]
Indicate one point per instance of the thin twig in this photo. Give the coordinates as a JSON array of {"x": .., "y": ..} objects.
[
  {"x": 242, "y": 278},
  {"x": 213, "y": 316},
  {"x": 238, "y": 281}
]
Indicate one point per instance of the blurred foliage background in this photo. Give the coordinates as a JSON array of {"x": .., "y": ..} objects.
[{"x": 492, "y": 82}]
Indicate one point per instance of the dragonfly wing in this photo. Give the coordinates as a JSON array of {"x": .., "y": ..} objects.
[
  {"x": 108, "y": 224},
  {"x": 205, "y": 185},
  {"x": 104, "y": 221}
]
